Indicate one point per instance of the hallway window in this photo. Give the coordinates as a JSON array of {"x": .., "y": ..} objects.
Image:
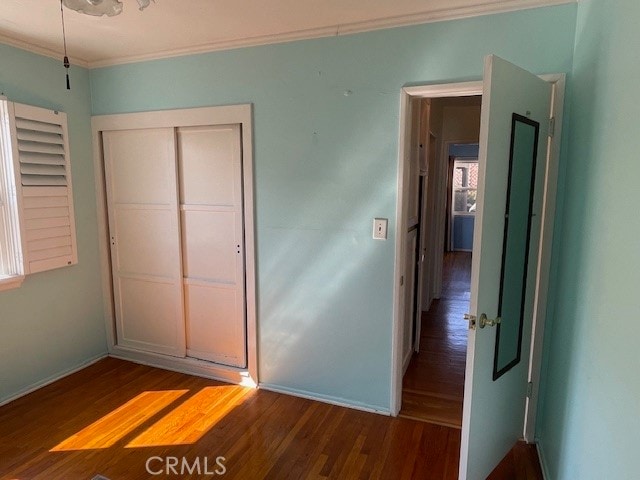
[
  {"x": 464, "y": 192},
  {"x": 465, "y": 186}
]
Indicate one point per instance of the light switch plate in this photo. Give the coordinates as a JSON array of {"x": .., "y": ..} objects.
[{"x": 380, "y": 228}]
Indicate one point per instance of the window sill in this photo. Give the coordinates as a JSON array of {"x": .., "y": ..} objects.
[{"x": 10, "y": 282}]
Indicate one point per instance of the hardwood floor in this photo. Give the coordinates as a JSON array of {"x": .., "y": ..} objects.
[
  {"x": 433, "y": 385},
  {"x": 111, "y": 417},
  {"x": 521, "y": 463}
]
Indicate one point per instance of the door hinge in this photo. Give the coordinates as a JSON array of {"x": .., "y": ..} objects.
[
  {"x": 529, "y": 389},
  {"x": 552, "y": 126}
]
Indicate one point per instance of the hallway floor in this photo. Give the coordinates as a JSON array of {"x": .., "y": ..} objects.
[{"x": 433, "y": 385}]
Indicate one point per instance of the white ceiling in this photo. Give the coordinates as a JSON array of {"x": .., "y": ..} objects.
[{"x": 175, "y": 27}]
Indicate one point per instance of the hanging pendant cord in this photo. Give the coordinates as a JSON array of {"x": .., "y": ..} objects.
[{"x": 64, "y": 42}]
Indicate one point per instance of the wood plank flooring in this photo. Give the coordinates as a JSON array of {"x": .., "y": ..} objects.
[
  {"x": 521, "y": 463},
  {"x": 111, "y": 417},
  {"x": 433, "y": 385}
]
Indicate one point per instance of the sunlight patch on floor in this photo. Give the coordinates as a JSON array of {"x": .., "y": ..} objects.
[
  {"x": 193, "y": 418},
  {"x": 105, "y": 432}
]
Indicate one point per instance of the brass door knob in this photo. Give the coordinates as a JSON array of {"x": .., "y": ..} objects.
[
  {"x": 484, "y": 321},
  {"x": 487, "y": 322}
]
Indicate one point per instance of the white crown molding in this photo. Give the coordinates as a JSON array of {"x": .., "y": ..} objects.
[
  {"x": 45, "y": 52},
  {"x": 222, "y": 45},
  {"x": 346, "y": 29},
  {"x": 449, "y": 14},
  {"x": 334, "y": 30}
]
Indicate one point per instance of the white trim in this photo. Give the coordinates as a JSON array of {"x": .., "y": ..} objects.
[
  {"x": 12, "y": 270},
  {"x": 402, "y": 206},
  {"x": 184, "y": 117},
  {"x": 544, "y": 255},
  {"x": 477, "y": 10},
  {"x": 10, "y": 282},
  {"x": 340, "y": 402},
  {"x": 345, "y": 29},
  {"x": 430, "y": 16},
  {"x": 53, "y": 378},
  {"x": 37, "y": 49},
  {"x": 241, "y": 114},
  {"x": 186, "y": 365},
  {"x": 463, "y": 89}
]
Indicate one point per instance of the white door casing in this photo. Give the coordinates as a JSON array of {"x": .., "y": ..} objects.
[{"x": 240, "y": 115}]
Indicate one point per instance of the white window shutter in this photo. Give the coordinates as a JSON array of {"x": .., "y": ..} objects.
[{"x": 45, "y": 195}]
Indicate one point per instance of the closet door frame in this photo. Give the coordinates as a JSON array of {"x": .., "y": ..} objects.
[{"x": 222, "y": 115}]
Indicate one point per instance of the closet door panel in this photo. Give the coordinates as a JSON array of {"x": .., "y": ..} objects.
[
  {"x": 140, "y": 172},
  {"x": 148, "y": 302},
  {"x": 209, "y": 166},
  {"x": 136, "y": 254},
  {"x": 210, "y": 173},
  {"x": 142, "y": 166},
  {"x": 211, "y": 335},
  {"x": 209, "y": 252}
]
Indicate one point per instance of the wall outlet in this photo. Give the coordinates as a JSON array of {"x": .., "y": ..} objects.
[{"x": 380, "y": 228}]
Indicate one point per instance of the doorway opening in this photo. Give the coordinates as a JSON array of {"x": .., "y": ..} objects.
[
  {"x": 506, "y": 90},
  {"x": 442, "y": 190}
]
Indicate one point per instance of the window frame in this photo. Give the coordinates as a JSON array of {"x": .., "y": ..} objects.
[{"x": 11, "y": 258}]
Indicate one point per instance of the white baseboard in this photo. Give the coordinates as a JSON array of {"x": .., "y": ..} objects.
[
  {"x": 51, "y": 379},
  {"x": 543, "y": 461},
  {"x": 200, "y": 368},
  {"x": 189, "y": 366},
  {"x": 340, "y": 402}
]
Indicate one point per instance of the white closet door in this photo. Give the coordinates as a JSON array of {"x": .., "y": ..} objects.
[
  {"x": 140, "y": 167},
  {"x": 210, "y": 173}
]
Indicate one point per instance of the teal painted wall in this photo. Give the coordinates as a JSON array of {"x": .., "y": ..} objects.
[
  {"x": 590, "y": 426},
  {"x": 326, "y": 164},
  {"x": 55, "y": 321},
  {"x": 326, "y": 129}
]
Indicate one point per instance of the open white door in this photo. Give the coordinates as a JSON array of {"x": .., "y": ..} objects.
[{"x": 516, "y": 108}]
